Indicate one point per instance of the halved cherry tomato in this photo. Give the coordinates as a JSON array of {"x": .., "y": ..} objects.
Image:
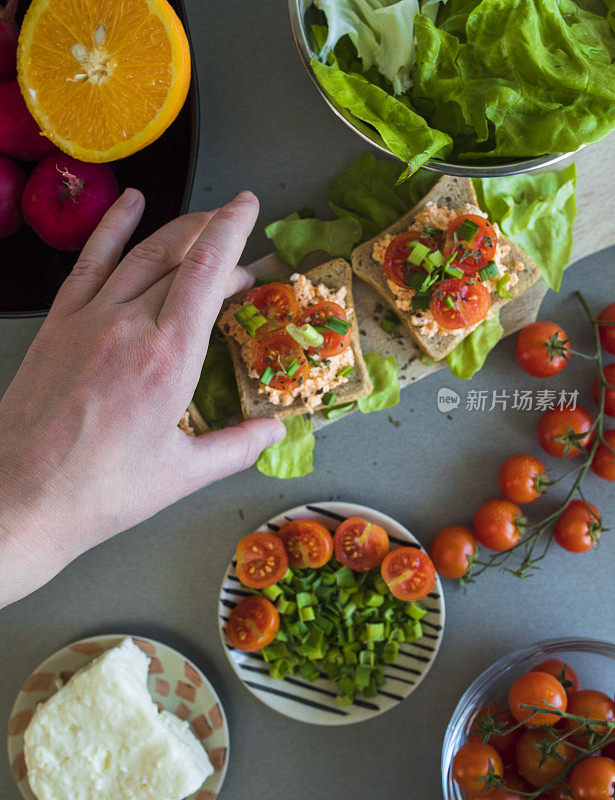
[
  {"x": 593, "y": 779},
  {"x": 409, "y": 573},
  {"x": 537, "y": 689},
  {"x": 307, "y": 543},
  {"x": 396, "y": 265},
  {"x": 261, "y": 560},
  {"x": 607, "y": 332},
  {"x": 360, "y": 544},
  {"x": 522, "y": 478},
  {"x": 563, "y": 672},
  {"x": 603, "y": 463},
  {"x": 592, "y": 704},
  {"x": 451, "y": 551},
  {"x": 473, "y": 763},
  {"x": 470, "y": 256},
  {"x": 486, "y": 724},
  {"x": 253, "y": 624},
  {"x": 531, "y": 763},
  {"x": 542, "y": 349},
  {"x": 275, "y": 301},
  {"x": 609, "y": 392},
  {"x": 334, "y": 343},
  {"x": 278, "y": 351},
  {"x": 561, "y": 430},
  {"x": 579, "y": 527},
  {"x": 498, "y": 524},
  {"x": 459, "y": 303}
]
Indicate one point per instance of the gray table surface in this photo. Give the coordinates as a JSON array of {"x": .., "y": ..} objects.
[{"x": 264, "y": 127}]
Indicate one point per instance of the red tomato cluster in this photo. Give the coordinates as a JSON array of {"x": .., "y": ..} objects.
[{"x": 513, "y": 751}]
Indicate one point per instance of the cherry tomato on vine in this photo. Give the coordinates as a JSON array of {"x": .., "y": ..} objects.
[
  {"x": 498, "y": 524},
  {"x": 451, "y": 551},
  {"x": 562, "y": 430},
  {"x": 396, "y": 265},
  {"x": 308, "y": 543},
  {"x": 278, "y": 351},
  {"x": 360, "y": 544},
  {"x": 459, "y": 303},
  {"x": 253, "y": 624},
  {"x": 542, "y": 349},
  {"x": 562, "y": 671},
  {"x": 275, "y": 301},
  {"x": 486, "y": 724},
  {"x": 537, "y": 689},
  {"x": 593, "y": 779},
  {"x": 522, "y": 478},
  {"x": 409, "y": 573},
  {"x": 609, "y": 391},
  {"x": 473, "y": 763},
  {"x": 607, "y": 332},
  {"x": 531, "y": 761},
  {"x": 592, "y": 704},
  {"x": 261, "y": 560},
  {"x": 475, "y": 252},
  {"x": 334, "y": 343},
  {"x": 603, "y": 463},
  {"x": 609, "y": 750},
  {"x": 514, "y": 789},
  {"x": 579, "y": 527}
]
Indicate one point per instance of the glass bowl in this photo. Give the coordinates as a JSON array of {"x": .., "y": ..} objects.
[
  {"x": 592, "y": 659},
  {"x": 297, "y": 10}
]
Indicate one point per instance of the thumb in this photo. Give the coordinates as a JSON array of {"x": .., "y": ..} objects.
[{"x": 222, "y": 453}]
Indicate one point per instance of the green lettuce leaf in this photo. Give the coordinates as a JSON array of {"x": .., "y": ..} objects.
[
  {"x": 293, "y": 456},
  {"x": 470, "y": 354},
  {"x": 216, "y": 394},
  {"x": 537, "y": 212},
  {"x": 383, "y": 371},
  {"x": 295, "y": 237}
]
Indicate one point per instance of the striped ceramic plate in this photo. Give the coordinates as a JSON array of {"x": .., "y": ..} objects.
[{"x": 315, "y": 702}]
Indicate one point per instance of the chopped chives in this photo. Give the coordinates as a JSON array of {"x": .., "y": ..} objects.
[
  {"x": 292, "y": 368},
  {"x": 328, "y": 399},
  {"x": 243, "y": 314},
  {"x": 453, "y": 272},
  {"x": 338, "y": 411},
  {"x": 467, "y": 231},
  {"x": 449, "y": 301},
  {"x": 254, "y": 323},
  {"x": 346, "y": 371},
  {"x": 488, "y": 272},
  {"x": 435, "y": 259},
  {"x": 417, "y": 252},
  {"x": 267, "y": 376},
  {"x": 415, "y": 279},
  {"x": 337, "y": 325},
  {"x": 306, "y": 336},
  {"x": 420, "y": 302}
]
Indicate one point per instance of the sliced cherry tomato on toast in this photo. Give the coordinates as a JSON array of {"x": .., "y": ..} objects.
[
  {"x": 409, "y": 573},
  {"x": 279, "y": 351},
  {"x": 308, "y": 543},
  {"x": 261, "y": 560},
  {"x": 459, "y": 303},
  {"x": 397, "y": 268},
  {"x": 275, "y": 301},
  {"x": 253, "y": 624},
  {"x": 317, "y": 315},
  {"x": 360, "y": 544},
  {"x": 472, "y": 255}
]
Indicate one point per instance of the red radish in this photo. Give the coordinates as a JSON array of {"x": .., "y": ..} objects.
[
  {"x": 12, "y": 182},
  {"x": 8, "y": 41},
  {"x": 64, "y": 200},
  {"x": 20, "y": 136}
]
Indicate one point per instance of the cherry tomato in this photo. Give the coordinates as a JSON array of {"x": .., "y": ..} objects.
[
  {"x": 536, "y": 689},
  {"x": 360, "y": 544},
  {"x": 603, "y": 463},
  {"x": 593, "y": 779},
  {"x": 451, "y": 551},
  {"x": 307, "y": 543},
  {"x": 278, "y": 351},
  {"x": 409, "y": 573},
  {"x": 515, "y": 789},
  {"x": 253, "y": 624},
  {"x": 531, "y": 763},
  {"x": 609, "y": 392},
  {"x": 498, "y": 524},
  {"x": 396, "y": 265},
  {"x": 473, "y": 763},
  {"x": 607, "y": 332},
  {"x": 563, "y": 672},
  {"x": 261, "y": 560},
  {"x": 485, "y": 726},
  {"x": 275, "y": 301},
  {"x": 557, "y": 792},
  {"x": 609, "y": 750},
  {"x": 579, "y": 527},
  {"x": 472, "y": 255},
  {"x": 592, "y": 704},
  {"x": 542, "y": 349},
  {"x": 334, "y": 343},
  {"x": 558, "y": 423},
  {"x": 522, "y": 478},
  {"x": 459, "y": 303}
]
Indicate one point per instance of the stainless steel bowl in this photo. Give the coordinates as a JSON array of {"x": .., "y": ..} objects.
[{"x": 297, "y": 9}]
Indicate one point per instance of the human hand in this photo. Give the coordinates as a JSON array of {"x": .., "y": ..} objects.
[{"x": 89, "y": 443}]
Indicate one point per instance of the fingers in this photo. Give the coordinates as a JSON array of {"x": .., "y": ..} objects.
[
  {"x": 101, "y": 253},
  {"x": 222, "y": 453},
  {"x": 198, "y": 290},
  {"x": 155, "y": 257},
  {"x": 239, "y": 279}
]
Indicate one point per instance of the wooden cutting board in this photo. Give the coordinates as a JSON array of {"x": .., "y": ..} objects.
[{"x": 594, "y": 230}]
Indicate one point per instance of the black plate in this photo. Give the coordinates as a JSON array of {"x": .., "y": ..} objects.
[{"x": 31, "y": 272}]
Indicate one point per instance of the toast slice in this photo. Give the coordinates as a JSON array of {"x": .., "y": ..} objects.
[
  {"x": 334, "y": 274},
  {"x": 449, "y": 192}
]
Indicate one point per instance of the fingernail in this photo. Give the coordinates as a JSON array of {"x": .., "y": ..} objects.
[
  {"x": 246, "y": 197},
  {"x": 130, "y": 197}
]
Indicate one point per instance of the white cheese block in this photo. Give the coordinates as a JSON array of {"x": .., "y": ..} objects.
[{"x": 101, "y": 738}]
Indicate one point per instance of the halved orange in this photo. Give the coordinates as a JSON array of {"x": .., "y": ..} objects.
[{"x": 103, "y": 78}]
